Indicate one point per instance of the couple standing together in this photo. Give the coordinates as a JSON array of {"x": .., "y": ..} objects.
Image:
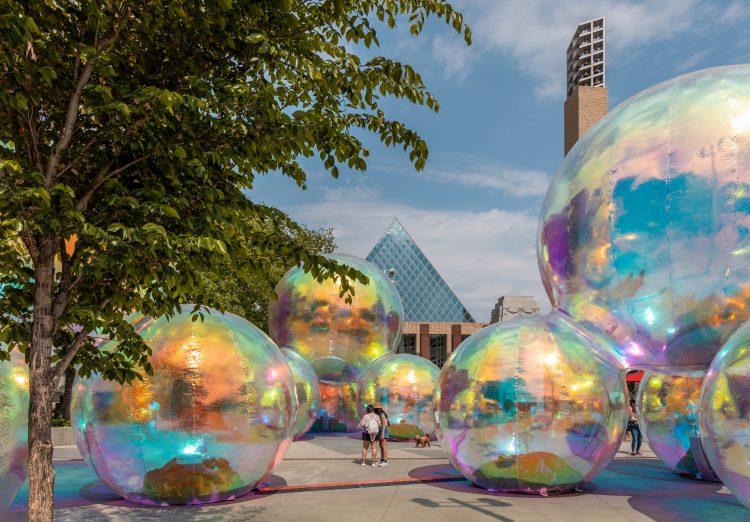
[{"x": 375, "y": 431}]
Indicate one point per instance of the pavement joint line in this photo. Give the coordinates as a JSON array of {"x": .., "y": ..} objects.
[{"x": 327, "y": 486}]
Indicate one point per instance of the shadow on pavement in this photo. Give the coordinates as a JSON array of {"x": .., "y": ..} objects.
[{"x": 648, "y": 485}]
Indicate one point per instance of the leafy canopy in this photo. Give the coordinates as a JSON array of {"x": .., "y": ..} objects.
[{"x": 131, "y": 130}]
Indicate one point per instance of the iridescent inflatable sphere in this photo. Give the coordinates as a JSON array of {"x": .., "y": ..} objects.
[
  {"x": 724, "y": 416},
  {"x": 338, "y": 407},
  {"x": 212, "y": 421},
  {"x": 533, "y": 405},
  {"x": 644, "y": 229},
  {"x": 307, "y": 391},
  {"x": 338, "y": 339},
  {"x": 403, "y": 385},
  {"x": 14, "y": 413},
  {"x": 668, "y": 417}
]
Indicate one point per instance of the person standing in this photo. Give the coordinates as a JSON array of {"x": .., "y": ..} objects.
[
  {"x": 635, "y": 430},
  {"x": 371, "y": 432},
  {"x": 385, "y": 435}
]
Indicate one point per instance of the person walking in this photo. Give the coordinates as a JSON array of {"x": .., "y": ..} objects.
[
  {"x": 635, "y": 431},
  {"x": 371, "y": 431},
  {"x": 384, "y": 436}
]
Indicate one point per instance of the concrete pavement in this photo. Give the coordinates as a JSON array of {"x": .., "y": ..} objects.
[{"x": 321, "y": 479}]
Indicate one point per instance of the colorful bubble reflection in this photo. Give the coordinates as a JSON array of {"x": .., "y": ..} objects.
[
  {"x": 533, "y": 405},
  {"x": 211, "y": 422},
  {"x": 14, "y": 412},
  {"x": 725, "y": 414},
  {"x": 668, "y": 416},
  {"x": 403, "y": 385},
  {"x": 338, "y": 339},
  {"x": 644, "y": 229},
  {"x": 307, "y": 391},
  {"x": 338, "y": 408}
]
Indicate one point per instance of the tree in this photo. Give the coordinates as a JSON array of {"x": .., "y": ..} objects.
[
  {"x": 131, "y": 130},
  {"x": 250, "y": 298}
]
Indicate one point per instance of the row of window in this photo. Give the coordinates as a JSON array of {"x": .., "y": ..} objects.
[{"x": 438, "y": 347}]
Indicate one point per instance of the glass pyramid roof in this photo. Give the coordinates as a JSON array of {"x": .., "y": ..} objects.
[{"x": 425, "y": 294}]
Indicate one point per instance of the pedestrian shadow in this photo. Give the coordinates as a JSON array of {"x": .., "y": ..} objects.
[{"x": 482, "y": 505}]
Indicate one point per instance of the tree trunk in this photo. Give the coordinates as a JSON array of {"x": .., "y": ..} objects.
[
  {"x": 41, "y": 472},
  {"x": 70, "y": 377}
]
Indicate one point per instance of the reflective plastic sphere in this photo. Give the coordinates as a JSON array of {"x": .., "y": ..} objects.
[
  {"x": 307, "y": 391},
  {"x": 724, "y": 416},
  {"x": 535, "y": 405},
  {"x": 14, "y": 413},
  {"x": 338, "y": 408},
  {"x": 211, "y": 422},
  {"x": 668, "y": 417},
  {"x": 338, "y": 339},
  {"x": 644, "y": 229},
  {"x": 403, "y": 385}
]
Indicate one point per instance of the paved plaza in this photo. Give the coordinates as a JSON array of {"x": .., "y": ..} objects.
[{"x": 321, "y": 479}]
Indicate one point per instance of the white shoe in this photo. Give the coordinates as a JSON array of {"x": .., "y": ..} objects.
[
  {"x": 363, "y": 463},
  {"x": 383, "y": 463},
  {"x": 373, "y": 464}
]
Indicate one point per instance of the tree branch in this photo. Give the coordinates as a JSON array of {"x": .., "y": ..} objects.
[
  {"x": 59, "y": 369},
  {"x": 102, "y": 176},
  {"x": 75, "y": 99}
]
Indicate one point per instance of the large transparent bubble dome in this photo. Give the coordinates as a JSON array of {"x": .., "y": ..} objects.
[
  {"x": 535, "y": 405},
  {"x": 724, "y": 416},
  {"x": 644, "y": 231},
  {"x": 403, "y": 385},
  {"x": 307, "y": 391},
  {"x": 337, "y": 338},
  {"x": 668, "y": 417},
  {"x": 14, "y": 413},
  {"x": 212, "y": 421}
]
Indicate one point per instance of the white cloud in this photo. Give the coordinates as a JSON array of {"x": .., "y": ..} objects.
[
  {"x": 481, "y": 255},
  {"x": 454, "y": 54},
  {"x": 511, "y": 181},
  {"x": 536, "y": 33}
]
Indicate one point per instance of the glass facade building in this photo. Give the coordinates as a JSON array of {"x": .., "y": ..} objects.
[{"x": 426, "y": 296}]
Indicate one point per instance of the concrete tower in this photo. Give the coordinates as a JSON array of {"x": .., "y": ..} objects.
[{"x": 588, "y": 99}]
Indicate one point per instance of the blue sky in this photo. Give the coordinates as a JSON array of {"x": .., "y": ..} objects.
[{"x": 497, "y": 139}]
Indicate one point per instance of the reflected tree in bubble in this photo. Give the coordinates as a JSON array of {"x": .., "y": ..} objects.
[
  {"x": 338, "y": 407},
  {"x": 668, "y": 416},
  {"x": 403, "y": 385},
  {"x": 14, "y": 404},
  {"x": 724, "y": 416},
  {"x": 337, "y": 338},
  {"x": 644, "y": 232},
  {"x": 536, "y": 404},
  {"x": 307, "y": 391},
  {"x": 212, "y": 421}
]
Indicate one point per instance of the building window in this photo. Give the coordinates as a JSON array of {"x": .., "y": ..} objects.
[
  {"x": 438, "y": 351},
  {"x": 408, "y": 344}
]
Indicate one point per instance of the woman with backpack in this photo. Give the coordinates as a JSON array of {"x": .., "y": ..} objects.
[
  {"x": 384, "y": 435},
  {"x": 371, "y": 426}
]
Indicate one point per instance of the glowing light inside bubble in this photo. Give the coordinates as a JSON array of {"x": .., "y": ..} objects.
[
  {"x": 552, "y": 358},
  {"x": 190, "y": 449},
  {"x": 412, "y": 377},
  {"x": 649, "y": 316}
]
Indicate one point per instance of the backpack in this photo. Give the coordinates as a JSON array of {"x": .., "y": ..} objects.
[{"x": 372, "y": 427}]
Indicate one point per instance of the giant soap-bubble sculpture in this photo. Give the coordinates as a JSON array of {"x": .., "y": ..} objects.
[
  {"x": 403, "y": 384},
  {"x": 668, "y": 416},
  {"x": 14, "y": 408},
  {"x": 211, "y": 422},
  {"x": 724, "y": 416},
  {"x": 307, "y": 391},
  {"x": 644, "y": 231},
  {"x": 338, "y": 407},
  {"x": 532, "y": 405},
  {"x": 337, "y": 338}
]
